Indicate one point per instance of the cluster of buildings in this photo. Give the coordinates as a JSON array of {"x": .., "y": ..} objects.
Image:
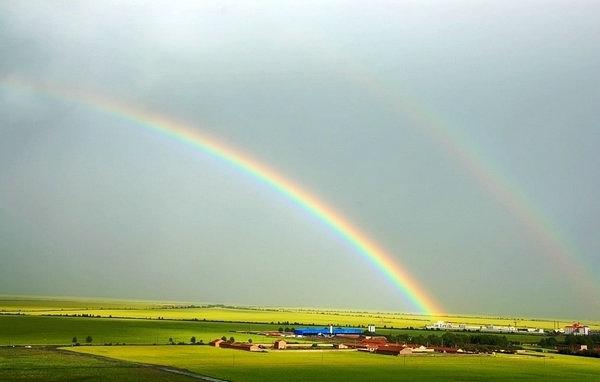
[
  {"x": 344, "y": 333},
  {"x": 358, "y": 339},
  {"x": 372, "y": 344},
  {"x": 577, "y": 329},
  {"x": 443, "y": 325},
  {"x": 339, "y": 338},
  {"x": 277, "y": 345},
  {"x": 379, "y": 345}
]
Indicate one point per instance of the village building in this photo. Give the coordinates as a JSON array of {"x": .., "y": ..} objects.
[
  {"x": 393, "y": 349},
  {"x": 376, "y": 338},
  {"x": 241, "y": 346},
  {"x": 577, "y": 329},
  {"x": 279, "y": 345},
  {"x": 449, "y": 350},
  {"x": 216, "y": 343},
  {"x": 405, "y": 351},
  {"x": 388, "y": 351},
  {"x": 370, "y": 344},
  {"x": 422, "y": 349},
  {"x": 326, "y": 331}
]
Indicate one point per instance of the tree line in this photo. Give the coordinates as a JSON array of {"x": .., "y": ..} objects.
[
  {"x": 571, "y": 344},
  {"x": 455, "y": 340}
]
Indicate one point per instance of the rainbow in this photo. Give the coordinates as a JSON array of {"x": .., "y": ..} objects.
[
  {"x": 555, "y": 248},
  {"x": 180, "y": 132}
]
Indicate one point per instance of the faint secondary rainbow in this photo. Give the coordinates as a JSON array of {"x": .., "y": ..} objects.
[
  {"x": 543, "y": 231},
  {"x": 546, "y": 234},
  {"x": 553, "y": 244},
  {"x": 189, "y": 136}
]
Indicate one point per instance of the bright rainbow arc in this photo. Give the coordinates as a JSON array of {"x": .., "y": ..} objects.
[{"x": 185, "y": 134}]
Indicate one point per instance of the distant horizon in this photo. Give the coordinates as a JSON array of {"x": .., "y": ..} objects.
[{"x": 274, "y": 307}]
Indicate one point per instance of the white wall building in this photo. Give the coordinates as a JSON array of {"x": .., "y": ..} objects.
[{"x": 577, "y": 329}]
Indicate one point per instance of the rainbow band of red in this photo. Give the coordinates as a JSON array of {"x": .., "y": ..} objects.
[{"x": 191, "y": 137}]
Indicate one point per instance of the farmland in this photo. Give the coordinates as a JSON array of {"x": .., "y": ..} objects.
[
  {"x": 44, "y": 364},
  {"x": 34, "y": 330},
  {"x": 354, "y": 366},
  {"x": 186, "y": 311},
  {"x": 42, "y": 330},
  {"x": 137, "y": 333}
]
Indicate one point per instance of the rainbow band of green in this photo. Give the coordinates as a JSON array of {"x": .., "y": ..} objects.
[{"x": 184, "y": 134}]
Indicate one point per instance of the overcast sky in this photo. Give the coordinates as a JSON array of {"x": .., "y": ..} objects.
[{"x": 348, "y": 99}]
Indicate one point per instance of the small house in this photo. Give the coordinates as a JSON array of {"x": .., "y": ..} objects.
[
  {"x": 279, "y": 345},
  {"x": 241, "y": 346},
  {"x": 216, "y": 343}
]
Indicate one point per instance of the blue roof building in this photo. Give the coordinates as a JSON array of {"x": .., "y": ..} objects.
[{"x": 326, "y": 331}]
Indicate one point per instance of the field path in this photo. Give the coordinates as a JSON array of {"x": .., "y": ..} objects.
[
  {"x": 187, "y": 373},
  {"x": 162, "y": 368}
]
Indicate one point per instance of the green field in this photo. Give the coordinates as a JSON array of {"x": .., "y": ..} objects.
[
  {"x": 347, "y": 366},
  {"x": 183, "y": 311},
  {"x": 41, "y": 330},
  {"x": 32, "y": 327},
  {"x": 41, "y": 364},
  {"x": 33, "y": 304},
  {"x": 517, "y": 338},
  {"x": 36, "y": 330}
]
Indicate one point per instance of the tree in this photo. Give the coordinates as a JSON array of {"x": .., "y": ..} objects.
[
  {"x": 548, "y": 342},
  {"x": 231, "y": 340},
  {"x": 249, "y": 340},
  {"x": 89, "y": 339},
  {"x": 224, "y": 338},
  {"x": 74, "y": 340},
  {"x": 171, "y": 339},
  {"x": 193, "y": 340}
]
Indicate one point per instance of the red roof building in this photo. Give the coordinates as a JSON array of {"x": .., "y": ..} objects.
[
  {"x": 240, "y": 346},
  {"x": 577, "y": 329},
  {"x": 216, "y": 343}
]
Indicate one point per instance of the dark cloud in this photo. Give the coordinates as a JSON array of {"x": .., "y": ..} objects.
[{"x": 93, "y": 204}]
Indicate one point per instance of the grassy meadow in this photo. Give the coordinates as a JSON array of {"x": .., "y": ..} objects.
[
  {"x": 347, "y": 366},
  {"x": 37, "y": 304},
  {"x": 52, "y": 330},
  {"x": 43, "y": 364},
  {"x": 42, "y": 322},
  {"x": 36, "y": 330},
  {"x": 183, "y": 311}
]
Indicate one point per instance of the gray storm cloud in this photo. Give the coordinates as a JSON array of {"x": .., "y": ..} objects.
[{"x": 93, "y": 204}]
